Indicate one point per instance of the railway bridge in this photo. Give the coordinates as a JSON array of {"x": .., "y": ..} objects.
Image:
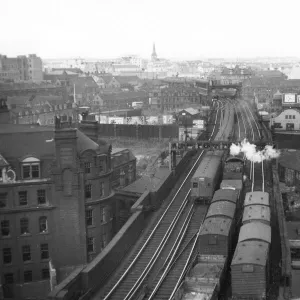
[{"x": 155, "y": 265}]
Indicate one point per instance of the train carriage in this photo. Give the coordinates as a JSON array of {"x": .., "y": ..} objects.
[
  {"x": 257, "y": 197},
  {"x": 226, "y": 195},
  {"x": 256, "y": 213},
  {"x": 221, "y": 208},
  {"x": 255, "y": 231},
  {"x": 250, "y": 270},
  {"x": 215, "y": 237},
  {"x": 207, "y": 177}
]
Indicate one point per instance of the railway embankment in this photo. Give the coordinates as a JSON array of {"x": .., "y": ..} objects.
[{"x": 84, "y": 281}]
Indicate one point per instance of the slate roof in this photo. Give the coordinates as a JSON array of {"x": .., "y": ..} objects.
[
  {"x": 121, "y": 156},
  {"x": 251, "y": 252},
  {"x": 126, "y": 79},
  {"x": 290, "y": 160},
  {"x": 255, "y": 231},
  {"x": 20, "y": 140},
  {"x": 216, "y": 225}
]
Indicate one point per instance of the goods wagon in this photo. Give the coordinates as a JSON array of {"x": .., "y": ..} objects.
[
  {"x": 215, "y": 236},
  {"x": 226, "y": 195},
  {"x": 249, "y": 270},
  {"x": 256, "y": 213},
  {"x": 221, "y": 208},
  {"x": 255, "y": 231},
  {"x": 206, "y": 178},
  {"x": 257, "y": 197}
]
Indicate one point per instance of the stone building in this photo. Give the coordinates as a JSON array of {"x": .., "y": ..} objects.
[{"x": 57, "y": 209}]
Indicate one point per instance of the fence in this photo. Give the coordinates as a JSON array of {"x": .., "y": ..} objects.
[{"x": 139, "y": 131}]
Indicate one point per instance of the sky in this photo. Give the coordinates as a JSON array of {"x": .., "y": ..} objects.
[{"x": 189, "y": 29}]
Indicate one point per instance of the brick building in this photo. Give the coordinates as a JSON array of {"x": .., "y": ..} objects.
[
  {"x": 177, "y": 94},
  {"x": 56, "y": 204}
]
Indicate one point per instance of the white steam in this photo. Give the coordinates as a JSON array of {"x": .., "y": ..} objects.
[{"x": 250, "y": 152}]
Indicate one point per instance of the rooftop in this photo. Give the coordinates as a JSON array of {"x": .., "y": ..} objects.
[
  {"x": 251, "y": 252},
  {"x": 216, "y": 225},
  {"x": 221, "y": 208},
  {"x": 257, "y": 198},
  {"x": 256, "y": 212},
  {"x": 255, "y": 231},
  {"x": 290, "y": 159},
  {"x": 38, "y": 140},
  {"x": 229, "y": 195}
]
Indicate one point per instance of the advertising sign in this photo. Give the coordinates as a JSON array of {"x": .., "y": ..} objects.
[
  {"x": 151, "y": 120},
  {"x": 167, "y": 119},
  {"x": 198, "y": 124},
  {"x": 135, "y": 120},
  {"x": 115, "y": 120},
  {"x": 289, "y": 98}
]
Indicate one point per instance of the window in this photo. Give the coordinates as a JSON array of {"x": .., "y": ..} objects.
[
  {"x": 45, "y": 273},
  {"x": 195, "y": 184},
  {"x": 24, "y": 225},
  {"x": 41, "y": 196},
  {"x": 247, "y": 269},
  {"x": 3, "y": 200},
  {"x": 7, "y": 256},
  {"x": 26, "y": 253},
  {"x": 27, "y": 276},
  {"x": 87, "y": 167},
  {"x": 43, "y": 226},
  {"x": 89, "y": 217},
  {"x": 294, "y": 117},
  {"x": 88, "y": 191},
  {"x": 90, "y": 245},
  {"x": 31, "y": 168},
  {"x": 286, "y": 116},
  {"x": 23, "y": 198},
  {"x": 5, "y": 228},
  {"x": 212, "y": 240},
  {"x": 9, "y": 278},
  {"x": 101, "y": 167},
  {"x": 104, "y": 239},
  {"x": 44, "y": 251},
  {"x": 101, "y": 189},
  {"x": 105, "y": 216}
]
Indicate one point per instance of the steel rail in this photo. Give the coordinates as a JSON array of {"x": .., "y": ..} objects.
[
  {"x": 160, "y": 247},
  {"x": 174, "y": 249},
  {"x": 160, "y": 220}
]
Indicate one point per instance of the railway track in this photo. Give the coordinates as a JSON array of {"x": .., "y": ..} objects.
[{"x": 156, "y": 247}]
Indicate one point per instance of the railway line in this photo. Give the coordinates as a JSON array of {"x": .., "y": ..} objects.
[{"x": 160, "y": 246}]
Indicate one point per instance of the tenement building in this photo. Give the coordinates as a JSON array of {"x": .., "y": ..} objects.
[{"x": 56, "y": 204}]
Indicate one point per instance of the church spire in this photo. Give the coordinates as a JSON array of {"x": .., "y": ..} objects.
[{"x": 154, "y": 55}]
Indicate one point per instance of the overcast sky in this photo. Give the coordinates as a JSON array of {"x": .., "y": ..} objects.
[{"x": 186, "y": 29}]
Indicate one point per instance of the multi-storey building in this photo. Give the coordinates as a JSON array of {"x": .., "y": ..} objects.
[
  {"x": 235, "y": 75},
  {"x": 35, "y": 68},
  {"x": 178, "y": 93},
  {"x": 56, "y": 204},
  {"x": 21, "y": 68}
]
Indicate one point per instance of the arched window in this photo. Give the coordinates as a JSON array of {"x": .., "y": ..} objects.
[
  {"x": 30, "y": 168},
  {"x": 43, "y": 224},
  {"x": 67, "y": 182},
  {"x": 24, "y": 226}
]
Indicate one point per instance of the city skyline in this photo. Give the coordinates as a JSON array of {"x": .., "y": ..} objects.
[{"x": 197, "y": 30}]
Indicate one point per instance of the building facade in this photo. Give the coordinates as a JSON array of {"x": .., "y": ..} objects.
[
  {"x": 21, "y": 68},
  {"x": 287, "y": 120},
  {"x": 56, "y": 204}
]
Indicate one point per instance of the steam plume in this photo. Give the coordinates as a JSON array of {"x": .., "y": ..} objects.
[{"x": 252, "y": 154}]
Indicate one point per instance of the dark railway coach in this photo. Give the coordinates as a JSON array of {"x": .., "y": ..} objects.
[
  {"x": 207, "y": 177},
  {"x": 249, "y": 270}
]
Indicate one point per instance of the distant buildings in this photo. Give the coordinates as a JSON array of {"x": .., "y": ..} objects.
[
  {"x": 21, "y": 68},
  {"x": 235, "y": 75}
]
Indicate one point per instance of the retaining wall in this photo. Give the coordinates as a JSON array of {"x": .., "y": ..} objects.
[{"x": 94, "y": 275}]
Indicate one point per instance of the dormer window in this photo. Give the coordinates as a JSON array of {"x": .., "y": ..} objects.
[{"x": 31, "y": 168}]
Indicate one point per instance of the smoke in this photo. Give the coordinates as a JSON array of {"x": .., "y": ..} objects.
[{"x": 251, "y": 153}]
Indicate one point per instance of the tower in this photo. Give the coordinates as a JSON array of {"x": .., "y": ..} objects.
[{"x": 154, "y": 55}]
